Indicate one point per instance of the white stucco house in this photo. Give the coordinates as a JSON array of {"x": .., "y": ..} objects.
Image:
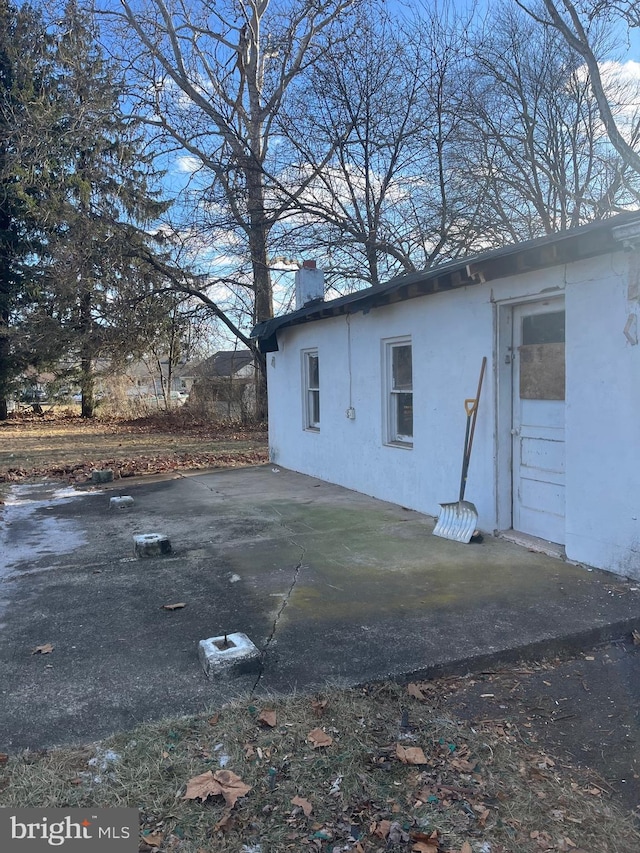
[{"x": 368, "y": 390}]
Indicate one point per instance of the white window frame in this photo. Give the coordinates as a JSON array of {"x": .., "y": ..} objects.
[
  {"x": 392, "y": 395},
  {"x": 310, "y": 391}
]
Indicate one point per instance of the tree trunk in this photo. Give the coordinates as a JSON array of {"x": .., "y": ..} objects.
[
  {"x": 263, "y": 296},
  {"x": 4, "y": 377},
  {"x": 87, "y": 388},
  {"x": 87, "y": 384}
]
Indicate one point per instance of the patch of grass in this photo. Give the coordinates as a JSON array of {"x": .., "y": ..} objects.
[{"x": 480, "y": 786}]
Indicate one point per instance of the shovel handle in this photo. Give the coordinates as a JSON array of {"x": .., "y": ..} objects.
[{"x": 471, "y": 408}]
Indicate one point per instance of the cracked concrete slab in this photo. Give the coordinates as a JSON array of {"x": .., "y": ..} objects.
[{"x": 331, "y": 586}]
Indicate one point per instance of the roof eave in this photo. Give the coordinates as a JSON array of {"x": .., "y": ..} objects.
[{"x": 565, "y": 247}]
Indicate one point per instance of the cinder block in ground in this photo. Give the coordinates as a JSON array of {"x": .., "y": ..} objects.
[
  {"x": 103, "y": 476},
  {"x": 121, "y": 502},
  {"x": 237, "y": 656},
  {"x": 151, "y": 544}
]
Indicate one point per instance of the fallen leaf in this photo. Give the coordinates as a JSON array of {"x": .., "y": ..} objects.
[
  {"x": 3, "y": 757},
  {"x": 305, "y": 805},
  {"x": 46, "y": 649},
  {"x": 424, "y": 843},
  {"x": 267, "y": 717},
  {"x": 414, "y": 690},
  {"x": 411, "y": 754},
  {"x": 177, "y": 606},
  {"x": 381, "y": 828},
  {"x": 221, "y": 783},
  {"x": 154, "y": 839},
  {"x": 319, "y": 738},
  {"x": 466, "y": 848},
  {"x": 213, "y": 720},
  {"x": 636, "y": 637}
]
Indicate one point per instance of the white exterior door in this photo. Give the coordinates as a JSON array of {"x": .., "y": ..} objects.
[{"x": 538, "y": 419}]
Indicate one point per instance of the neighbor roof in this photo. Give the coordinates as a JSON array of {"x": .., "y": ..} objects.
[
  {"x": 224, "y": 363},
  {"x": 587, "y": 241}
]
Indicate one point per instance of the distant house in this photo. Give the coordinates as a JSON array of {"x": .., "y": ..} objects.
[
  {"x": 226, "y": 364},
  {"x": 368, "y": 390},
  {"x": 224, "y": 382}
]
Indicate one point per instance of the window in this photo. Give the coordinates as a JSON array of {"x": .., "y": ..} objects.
[
  {"x": 542, "y": 370},
  {"x": 399, "y": 397},
  {"x": 311, "y": 390}
]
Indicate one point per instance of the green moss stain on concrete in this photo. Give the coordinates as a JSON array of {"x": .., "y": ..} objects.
[{"x": 379, "y": 559}]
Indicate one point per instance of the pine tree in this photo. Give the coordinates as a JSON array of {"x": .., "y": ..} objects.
[
  {"x": 24, "y": 180},
  {"x": 107, "y": 200}
]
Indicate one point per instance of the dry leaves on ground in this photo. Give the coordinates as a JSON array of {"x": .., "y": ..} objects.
[
  {"x": 305, "y": 805},
  {"x": 45, "y": 649},
  {"x": 319, "y": 738},
  {"x": 267, "y": 717},
  {"x": 222, "y": 783},
  {"x": 410, "y": 754}
]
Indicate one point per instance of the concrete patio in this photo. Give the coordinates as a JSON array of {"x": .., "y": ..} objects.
[{"x": 332, "y": 586}]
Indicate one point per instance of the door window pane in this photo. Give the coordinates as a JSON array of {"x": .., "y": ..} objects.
[{"x": 542, "y": 367}]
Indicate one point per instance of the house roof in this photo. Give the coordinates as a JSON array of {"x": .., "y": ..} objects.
[
  {"x": 223, "y": 363},
  {"x": 587, "y": 241}
]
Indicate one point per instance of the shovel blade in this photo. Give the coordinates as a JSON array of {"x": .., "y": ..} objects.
[{"x": 457, "y": 521}]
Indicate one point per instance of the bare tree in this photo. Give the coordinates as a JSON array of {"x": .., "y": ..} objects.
[
  {"x": 534, "y": 129},
  {"x": 389, "y": 200},
  {"x": 210, "y": 80},
  {"x": 576, "y": 23}
]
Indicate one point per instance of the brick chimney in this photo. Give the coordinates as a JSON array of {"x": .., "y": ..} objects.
[{"x": 309, "y": 284}]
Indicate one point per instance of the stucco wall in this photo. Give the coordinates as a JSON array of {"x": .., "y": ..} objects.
[
  {"x": 603, "y": 415},
  {"x": 450, "y": 333}
]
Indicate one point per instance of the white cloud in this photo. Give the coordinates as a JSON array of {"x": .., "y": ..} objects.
[
  {"x": 622, "y": 72},
  {"x": 187, "y": 163}
]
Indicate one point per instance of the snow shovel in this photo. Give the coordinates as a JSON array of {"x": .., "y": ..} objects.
[{"x": 458, "y": 520}]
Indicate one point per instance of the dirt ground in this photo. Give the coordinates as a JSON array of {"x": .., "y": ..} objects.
[{"x": 69, "y": 448}]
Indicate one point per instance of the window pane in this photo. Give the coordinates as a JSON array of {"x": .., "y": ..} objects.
[
  {"x": 314, "y": 408},
  {"x": 401, "y": 368},
  {"x": 542, "y": 367},
  {"x": 314, "y": 371},
  {"x": 404, "y": 414},
  {"x": 543, "y": 328},
  {"x": 542, "y": 372}
]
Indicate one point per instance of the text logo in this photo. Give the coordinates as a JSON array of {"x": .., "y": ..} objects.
[{"x": 36, "y": 830}]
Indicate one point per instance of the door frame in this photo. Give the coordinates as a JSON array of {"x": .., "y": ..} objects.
[{"x": 505, "y": 399}]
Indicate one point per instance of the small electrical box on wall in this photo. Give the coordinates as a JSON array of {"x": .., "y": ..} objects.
[{"x": 351, "y": 413}]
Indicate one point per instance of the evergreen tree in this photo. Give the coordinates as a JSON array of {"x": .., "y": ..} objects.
[
  {"x": 24, "y": 180},
  {"x": 107, "y": 200}
]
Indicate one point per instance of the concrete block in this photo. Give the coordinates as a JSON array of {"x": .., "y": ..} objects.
[
  {"x": 238, "y": 657},
  {"x": 151, "y": 544},
  {"x": 103, "y": 476},
  {"x": 121, "y": 502}
]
